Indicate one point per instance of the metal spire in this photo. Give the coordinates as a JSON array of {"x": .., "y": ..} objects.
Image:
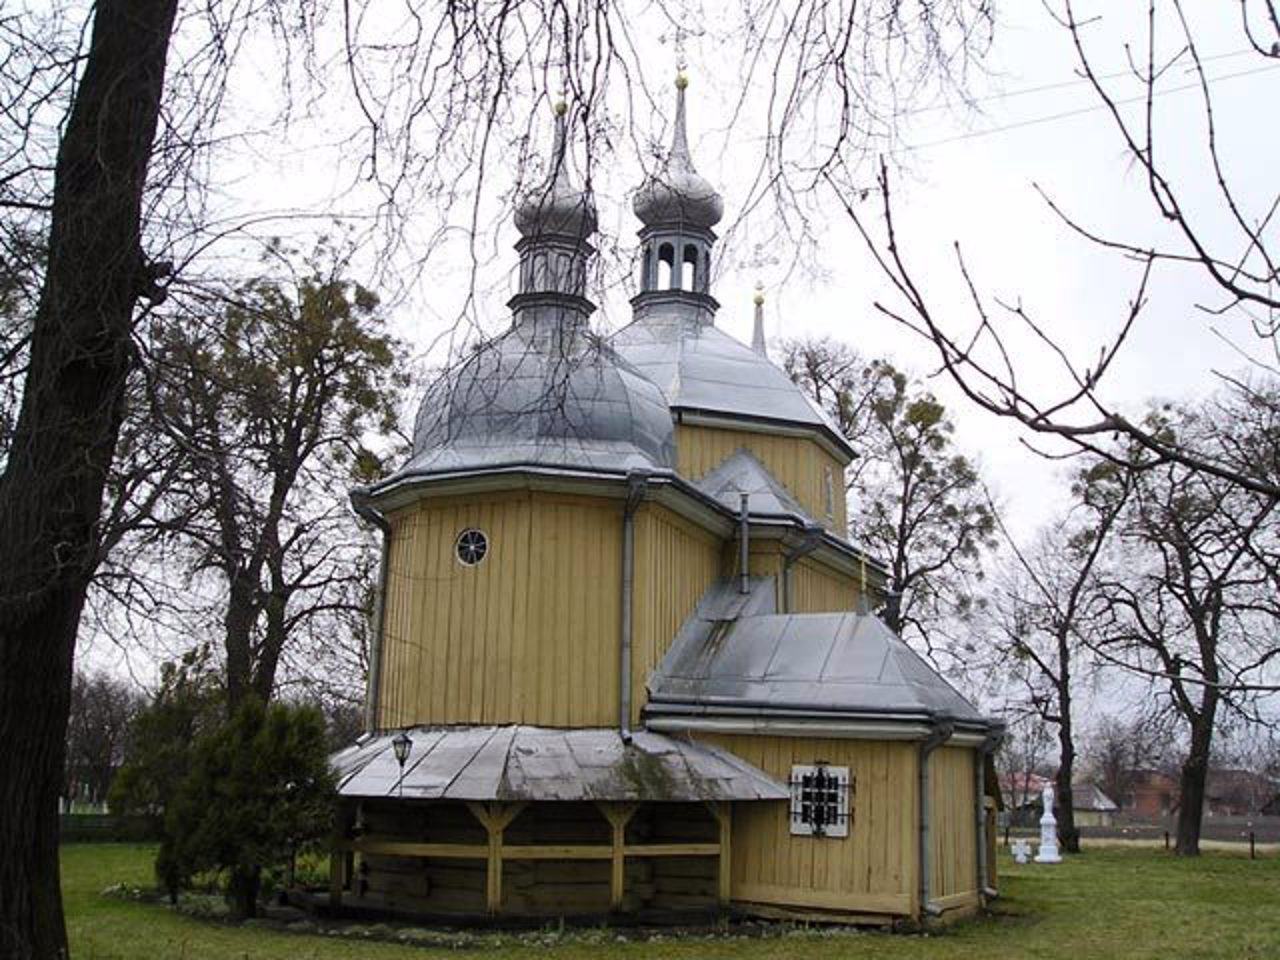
[{"x": 757, "y": 336}]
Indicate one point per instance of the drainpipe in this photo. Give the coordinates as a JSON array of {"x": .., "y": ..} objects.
[
  {"x": 941, "y": 733},
  {"x": 744, "y": 544},
  {"x": 980, "y": 808},
  {"x": 637, "y": 480},
  {"x": 379, "y": 612},
  {"x": 812, "y": 539}
]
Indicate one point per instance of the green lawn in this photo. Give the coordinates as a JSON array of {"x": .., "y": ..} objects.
[{"x": 1108, "y": 903}]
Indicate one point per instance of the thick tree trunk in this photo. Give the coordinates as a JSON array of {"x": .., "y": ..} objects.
[
  {"x": 1068, "y": 832},
  {"x": 242, "y": 614},
  {"x": 242, "y": 890},
  {"x": 51, "y": 489},
  {"x": 1191, "y": 784}
]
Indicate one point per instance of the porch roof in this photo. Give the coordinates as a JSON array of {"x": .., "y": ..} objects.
[{"x": 524, "y": 763}]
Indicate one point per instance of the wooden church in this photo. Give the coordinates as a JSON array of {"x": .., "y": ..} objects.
[{"x": 625, "y": 657}]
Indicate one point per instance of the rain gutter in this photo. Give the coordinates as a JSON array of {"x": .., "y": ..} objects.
[
  {"x": 941, "y": 733},
  {"x": 379, "y": 613},
  {"x": 989, "y": 743},
  {"x": 637, "y": 481}
]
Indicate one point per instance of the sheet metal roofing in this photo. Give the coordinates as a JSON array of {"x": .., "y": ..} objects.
[
  {"x": 743, "y": 473},
  {"x": 830, "y": 663},
  {"x": 538, "y": 763},
  {"x": 542, "y": 397},
  {"x": 700, "y": 367}
]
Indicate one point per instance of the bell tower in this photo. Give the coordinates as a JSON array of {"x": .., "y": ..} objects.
[{"x": 678, "y": 208}]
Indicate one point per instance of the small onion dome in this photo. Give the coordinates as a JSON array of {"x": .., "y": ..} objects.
[
  {"x": 542, "y": 396},
  {"x": 557, "y": 206},
  {"x": 678, "y": 194}
]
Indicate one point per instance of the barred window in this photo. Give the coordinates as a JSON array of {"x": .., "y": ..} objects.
[{"x": 821, "y": 800}]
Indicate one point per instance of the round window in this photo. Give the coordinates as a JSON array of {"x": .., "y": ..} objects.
[{"x": 471, "y": 546}]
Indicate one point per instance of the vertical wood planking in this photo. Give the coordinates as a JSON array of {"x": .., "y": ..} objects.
[
  {"x": 873, "y": 863},
  {"x": 798, "y": 463},
  {"x": 528, "y": 635}
]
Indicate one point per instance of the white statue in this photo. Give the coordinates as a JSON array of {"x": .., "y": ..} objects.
[{"x": 1048, "y": 830}]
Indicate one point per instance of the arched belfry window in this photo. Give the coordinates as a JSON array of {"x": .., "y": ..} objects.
[
  {"x": 646, "y": 268},
  {"x": 666, "y": 266},
  {"x": 689, "y": 272},
  {"x": 705, "y": 276}
]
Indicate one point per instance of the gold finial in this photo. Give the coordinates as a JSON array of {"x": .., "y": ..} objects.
[
  {"x": 682, "y": 80},
  {"x": 759, "y": 298},
  {"x": 561, "y": 108}
]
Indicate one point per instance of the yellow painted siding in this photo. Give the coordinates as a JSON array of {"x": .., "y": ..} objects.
[
  {"x": 798, "y": 463},
  {"x": 530, "y": 635},
  {"x": 819, "y": 589},
  {"x": 953, "y": 827},
  {"x": 675, "y": 563},
  {"x": 815, "y": 587},
  {"x": 873, "y": 870}
]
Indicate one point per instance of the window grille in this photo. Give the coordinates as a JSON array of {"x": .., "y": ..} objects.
[{"x": 821, "y": 800}]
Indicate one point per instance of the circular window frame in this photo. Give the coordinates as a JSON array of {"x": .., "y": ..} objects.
[{"x": 458, "y": 547}]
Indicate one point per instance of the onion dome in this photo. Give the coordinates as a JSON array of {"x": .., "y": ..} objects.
[
  {"x": 677, "y": 193},
  {"x": 542, "y": 395},
  {"x": 557, "y": 207}
]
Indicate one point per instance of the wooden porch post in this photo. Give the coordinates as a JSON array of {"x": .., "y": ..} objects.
[
  {"x": 618, "y": 815},
  {"x": 338, "y": 854},
  {"x": 723, "y": 812},
  {"x": 495, "y": 818}
]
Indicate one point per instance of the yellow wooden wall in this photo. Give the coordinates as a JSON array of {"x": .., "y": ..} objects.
[
  {"x": 872, "y": 871},
  {"x": 675, "y": 563},
  {"x": 798, "y": 463},
  {"x": 815, "y": 587},
  {"x": 953, "y": 828},
  {"x": 528, "y": 636}
]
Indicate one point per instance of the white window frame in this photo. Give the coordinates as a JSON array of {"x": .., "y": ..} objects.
[{"x": 843, "y": 801}]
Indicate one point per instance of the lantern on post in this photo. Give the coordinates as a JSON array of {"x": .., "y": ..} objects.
[{"x": 401, "y": 746}]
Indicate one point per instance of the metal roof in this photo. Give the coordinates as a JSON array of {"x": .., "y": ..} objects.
[
  {"x": 825, "y": 663},
  {"x": 743, "y": 473},
  {"x": 539, "y": 763},
  {"x": 700, "y": 367},
  {"x": 541, "y": 394}
]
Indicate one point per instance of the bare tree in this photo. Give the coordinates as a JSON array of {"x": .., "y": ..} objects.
[
  {"x": 1117, "y": 749},
  {"x": 1209, "y": 225},
  {"x": 102, "y": 710},
  {"x": 1044, "y": 608},
  {"x": 1191, "y": 588},
  {"x": 914, "y": 500},
  {"x": 266, "y": 407}
]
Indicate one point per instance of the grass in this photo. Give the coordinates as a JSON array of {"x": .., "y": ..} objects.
[{"x": 1109, "y": 902}]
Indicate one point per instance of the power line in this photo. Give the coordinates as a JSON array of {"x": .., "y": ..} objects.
[
  {"x": 1067, "y": 114},
  {"x": 1061, "y": 85}
]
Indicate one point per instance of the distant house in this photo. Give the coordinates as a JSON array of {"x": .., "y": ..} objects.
[
  {"x": 1092, "y": 807},
  {"x": 1152, "y": 794},
  {"x": 1239, "y": 793}
]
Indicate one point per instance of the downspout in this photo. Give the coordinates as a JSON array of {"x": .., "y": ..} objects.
[
  {"x": 980, "y": 809},
  {"x": 941, "y": 733},
  {"x": 379, "y": 612},
  {"x": 744, "y": 543},
  {"x": 812, "y": 540},
  {"x": 637, "y": 480}
]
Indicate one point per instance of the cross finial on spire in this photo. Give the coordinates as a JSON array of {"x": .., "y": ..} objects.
[{"x": 758, "y": 343}]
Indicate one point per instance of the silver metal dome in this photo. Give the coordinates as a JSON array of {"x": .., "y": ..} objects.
[
  {"x": 701, "y": 368},
  {"x": 678, "y": 194},
  {"x": 557, "y": 207},
  {"x": 542, "y": 395}
]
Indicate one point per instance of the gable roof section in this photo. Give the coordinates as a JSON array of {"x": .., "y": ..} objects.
[{"x": 743, "y": 473}]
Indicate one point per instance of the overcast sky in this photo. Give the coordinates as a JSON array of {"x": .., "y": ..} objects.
[{"x": 969, "y": 179}]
